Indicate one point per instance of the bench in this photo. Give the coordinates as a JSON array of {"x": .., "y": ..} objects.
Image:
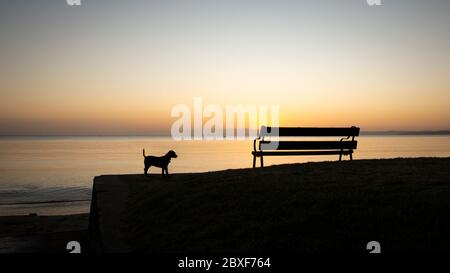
[{"x": 344, "y": 146}]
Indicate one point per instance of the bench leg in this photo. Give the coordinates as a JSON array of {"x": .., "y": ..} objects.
[
  {"x": 351, "y": 156},
  {"x": 262, "y": 161},
  {"x": 340, "y": 157},
  {"x": 254, "y": 161}
]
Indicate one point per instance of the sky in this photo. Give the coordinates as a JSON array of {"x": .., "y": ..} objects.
[{"x": 111, "y": 67}]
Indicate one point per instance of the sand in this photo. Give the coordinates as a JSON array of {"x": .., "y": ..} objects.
[{"x": 41, "y": 233}]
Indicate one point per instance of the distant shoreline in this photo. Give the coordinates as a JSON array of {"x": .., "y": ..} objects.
[
  {"x": 363, "y": 133},
  {"x": 406, "y": 133}
]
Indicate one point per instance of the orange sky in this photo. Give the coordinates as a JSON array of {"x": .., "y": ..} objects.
[{"x": 120, "y": 68}]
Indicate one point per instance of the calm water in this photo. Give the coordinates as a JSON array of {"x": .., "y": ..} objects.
[{"x": 56, "y": 169}]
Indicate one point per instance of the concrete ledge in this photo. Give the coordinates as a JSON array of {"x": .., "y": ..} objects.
[
  {"x": 329, "y": 207},
  {"x": 107, "y": 225}
]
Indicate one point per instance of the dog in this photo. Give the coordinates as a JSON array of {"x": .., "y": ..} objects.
[{"x": 158, "y": 161}]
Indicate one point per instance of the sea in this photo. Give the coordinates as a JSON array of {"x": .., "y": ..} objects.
[{"x": 54, "y": 175}]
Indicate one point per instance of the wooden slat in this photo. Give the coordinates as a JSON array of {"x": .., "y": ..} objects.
[
  {"x": 283, "y": 153},
  {"x": 308, "y": 145},
  {"x": 311, "y": 131}
]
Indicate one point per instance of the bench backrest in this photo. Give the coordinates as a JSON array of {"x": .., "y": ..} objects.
[
  {"x": 310, "y": 131},
  {"x": 349, "y": 132}
]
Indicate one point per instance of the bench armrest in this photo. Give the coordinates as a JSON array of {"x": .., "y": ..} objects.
[{"x": 254, "y": 143}]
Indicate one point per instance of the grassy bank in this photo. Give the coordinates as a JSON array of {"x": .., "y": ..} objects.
[{"x": 315, "y": 207}]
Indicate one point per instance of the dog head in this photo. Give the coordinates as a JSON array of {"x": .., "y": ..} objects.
[{"x": 171, "y": 154}]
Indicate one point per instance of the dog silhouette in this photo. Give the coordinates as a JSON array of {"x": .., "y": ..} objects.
[{"x": 158, "y": 161}]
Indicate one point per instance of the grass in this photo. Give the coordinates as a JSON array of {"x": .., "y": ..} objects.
[{"x": 314, "y": 207}]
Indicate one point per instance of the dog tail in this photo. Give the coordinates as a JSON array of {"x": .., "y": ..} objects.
[{"x": 143, "y": 152}]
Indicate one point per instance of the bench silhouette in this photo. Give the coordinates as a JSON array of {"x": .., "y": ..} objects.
[{"x": 344, "y": 146}]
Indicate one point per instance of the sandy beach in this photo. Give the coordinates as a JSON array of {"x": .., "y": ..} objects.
[{"x": 19, "y": 234}]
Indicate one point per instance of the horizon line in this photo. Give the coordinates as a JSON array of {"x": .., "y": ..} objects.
[{"x": 370, "y": 132}]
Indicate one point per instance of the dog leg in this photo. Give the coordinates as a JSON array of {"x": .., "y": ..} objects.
[
  {"x": 165, "y": 172},
  {"x": 146, "y": 169}
]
